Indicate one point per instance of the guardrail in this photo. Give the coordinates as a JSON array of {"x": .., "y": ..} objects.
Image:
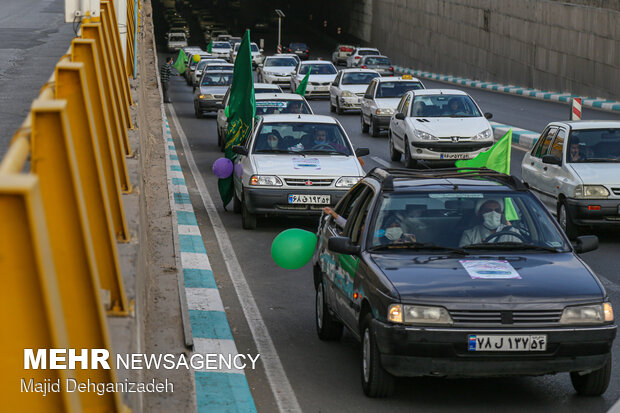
[{"x": 61, "y": 220}]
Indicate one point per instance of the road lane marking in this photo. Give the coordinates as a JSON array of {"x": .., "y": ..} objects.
[
  {"x": 278, "y": 380},
  {"x": 380, "y": 161}
]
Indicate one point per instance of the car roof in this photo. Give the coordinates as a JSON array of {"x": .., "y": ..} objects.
[
  {"x": 278, "y": 96},
  {"x": 299, "y": 118},
  {"x": 267, "y": 86},
  {"x": 374, "y": 55},
  {"x": 424, "y": 92},
  {"x": 589, "y": 124},
  {"x": 367, "y": 48},
  {"x": 358, "y": 70},
  {"x": 395, "y": 79},
  {"x": 316, "y": 62}
]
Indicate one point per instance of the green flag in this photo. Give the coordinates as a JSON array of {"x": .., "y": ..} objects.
[
  {"x": 301, "y": 89},
  {"x": 181, "y": 62},
  {"x": 210, "y": 47},
  {"x": 241, "y": 110}
]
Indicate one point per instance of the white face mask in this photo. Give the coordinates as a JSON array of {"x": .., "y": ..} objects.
[
  {"x": 492, "y": 220},
  {"x": 393, "y": 233},
  {"x": 273, "y": 143}
]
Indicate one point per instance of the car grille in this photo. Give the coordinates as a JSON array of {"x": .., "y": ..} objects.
[
  {"x": 218, "y": 96},
  {"x": 308, "y": 182},
  {"x": 484, "y": 317},
  {"x": 616, "y": 191},
  {"x": 360, "y": 94}
]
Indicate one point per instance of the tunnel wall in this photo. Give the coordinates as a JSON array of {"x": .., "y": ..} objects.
[{"x": 550, "y": 45}]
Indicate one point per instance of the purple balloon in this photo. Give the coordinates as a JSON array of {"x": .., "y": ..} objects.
[
  {"x": 223, "y": 168},
  {"x": 239, "y": 170}
]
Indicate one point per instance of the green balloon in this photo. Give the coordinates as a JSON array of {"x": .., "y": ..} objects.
[
  {"x": 293, "y": 248},
  {"x": 227, "y": 111}
]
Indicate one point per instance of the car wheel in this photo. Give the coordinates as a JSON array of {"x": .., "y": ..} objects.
[
  {"x": 364, "y": 125},
  {"x": 339, "y": 110},
  {"x": 376, "y": 382},
  {"x": 236, "y": 203},
  {"x": 332, "y": 108},
  {"x": 219, "y": 138},
  {"x": 566, "y": 222},
  {"x": 327, "y": 327},
  {"x": 409, "y": 163},
  {"x": 394, "y": 154},
  {"x": 197, "y": 112},
  {"x": 594, "y": 383},
  {"x": 375, "y": 128},
  {"x": 248, "y": 220}
]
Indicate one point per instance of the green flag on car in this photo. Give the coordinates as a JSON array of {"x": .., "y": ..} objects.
[
  {"x": 301, "y": 89},
  {"x": 241, "y": 110},
  {"x": 210, "y": 47},
  {"x": 181, "y": 62}
]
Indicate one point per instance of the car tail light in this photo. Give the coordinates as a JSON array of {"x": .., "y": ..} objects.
[
  {"x": 391, "y": 69},
  {"x": 307, "y": 51},
  {"x": 358, "y": 57},
  {"x": 346, "y": 49},
  {"x": 363, "y": 66}
]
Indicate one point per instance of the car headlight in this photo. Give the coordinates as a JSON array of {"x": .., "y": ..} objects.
[
  {"x": 591, "y": 191},
  {"x": 347, "y": 181},
  {"x": 206, "y": 97},
  {"x": 418, "y": 314},
  {"x": 424, "y": 136},
  {"x": 265, "y": 180},
  {"x": 347, "y": 94},
  {"x": 588, "y": 314},
  {"x": 385, "y": 111},
  {"x": 485, "y": 134}
]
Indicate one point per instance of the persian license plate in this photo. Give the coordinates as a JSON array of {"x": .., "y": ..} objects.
[
  {"x": 477, "y": 342},
  {"x": 309, "y": 199},
  {"x": 455, "y": 156}
]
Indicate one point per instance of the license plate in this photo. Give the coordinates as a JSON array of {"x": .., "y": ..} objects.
[
  {"x": 309, "y": 199},
  {"x": 455, "y": 156},
  {"x": 478, "y": 342}
]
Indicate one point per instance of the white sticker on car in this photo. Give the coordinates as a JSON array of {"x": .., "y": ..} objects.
[{"x": 490, "y": 269}]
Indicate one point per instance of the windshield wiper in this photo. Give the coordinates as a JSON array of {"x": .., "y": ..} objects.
[
  {"x": 320, "y": 152},
  {"x": 418, "y": 245},
  {"x": 510, "y": 246},
  {"x": 600, "y": 160},
  {"x": 274, "y": 151}
]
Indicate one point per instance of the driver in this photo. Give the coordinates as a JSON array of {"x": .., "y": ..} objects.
[
  {"x": 490, "y": 213},
  {"x": 320, "y": 138}
]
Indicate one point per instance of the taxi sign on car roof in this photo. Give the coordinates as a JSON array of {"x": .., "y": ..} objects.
[{"x": 407, "y": 77}]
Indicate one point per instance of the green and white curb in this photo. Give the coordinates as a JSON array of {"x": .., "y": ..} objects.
[
  {"x": 523, "y": 138},
  {"x": 598, "y": 103}
]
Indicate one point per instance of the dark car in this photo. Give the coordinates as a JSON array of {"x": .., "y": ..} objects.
[
  {"x": 417, "y": 275},
  {"x": 300, "y": 49},
  {"x": 209, "y": 94}
]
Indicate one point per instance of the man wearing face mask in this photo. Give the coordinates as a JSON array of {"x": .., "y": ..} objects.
[
  {"x": 393, "y": 232},
  {"x": 490, "y": 213}
]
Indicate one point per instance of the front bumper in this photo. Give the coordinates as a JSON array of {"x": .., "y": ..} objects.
[
  {"x": 317, "y": 90},
  {"x": 382, "y": 120},
  {"x": 447, "y": 151},
  {"x": 274, "y": 201},
  {"x": 408, "y": 351},
  {"x": 608, "y": 215},
  {"x": 350, "y": 102},
  {"x": 277, "y": 80},
  {"x": 209, "y": 105}
]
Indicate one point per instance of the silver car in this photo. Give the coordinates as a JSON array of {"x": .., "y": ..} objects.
[
  {"x": 379, "y": 63},
  {"x": 276, "y": 69},
  {"x": 209, "y": 94}
]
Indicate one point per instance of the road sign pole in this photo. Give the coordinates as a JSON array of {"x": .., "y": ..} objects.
[{"x": 279, "y": 34}]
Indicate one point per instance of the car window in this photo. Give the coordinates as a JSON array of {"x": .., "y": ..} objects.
[
  {"x": 456, "y": 219},
  {"x": 446, "y": 106},
  {"x": 221, "y": 45},
  {"x": 336, "y": 81},
  {"x": 303, "y": 138},
  {"x": 405, "y": 108},
  {"x": 396, "y": 89},
  {"x": 558, "y": 144},
  {"x": 357, "y": 222},
  {"x": 280, "y": 61},
  {"x": 367, "y": 52},
  {"x": 358, "y": 78},
  {"x": 594, "y": 145},
  {"x": 218, "y": 68},
  {"x": 217, "y": 79},
  {"x": 177, "y": 38},
  {"x": 371, "y": 60},
  {"x": 543, "y": 142},
  {"x": 271, "y": 107},
  {"x": 253, "y": 47},
  {"x": 318, "y": 69},
  {"x": 345, "y": 207}
]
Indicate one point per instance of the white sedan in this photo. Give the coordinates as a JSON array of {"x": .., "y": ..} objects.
[
  {"x": 293, "y": 165},
  {"x": 348, "y": 89},
  {"x": 354, "y": 58},
  {"x": 438, "y": 125},
  {"x": 221, "y": 49},
  {"x": 321, "y": 77},
  {"x": 276, "y": 69}
]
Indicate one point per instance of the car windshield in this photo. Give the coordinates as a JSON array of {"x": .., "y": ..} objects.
[
  {"x": 267, "y": 89},
  {"x": 217, "y": 79},
  {"x": 177, "y": 38},
  {"x": 221, "y": 45},
  {"x": 219, "y": 67},
  {"x": 302, "y": 138},
  {"x": 277, "y": 106},
  {"x": 280, "y": 61},
  {"x": 594, "y": 145},
  {"x": 358, "y": 78},
  {"x": 318, "y": 69},
  {"x": 466, "y": 221},
  {"x": 254, "y": 47},
  {"x": 380, "y": 61},
  {"x": 396, "y": 89},
  {"x": 367, "y": 52},
  {"x": 444, "y": 106}
]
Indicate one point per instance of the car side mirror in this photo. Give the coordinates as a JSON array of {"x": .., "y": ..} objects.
[
  {"x": 488, "y": 115},
  {"x": 551, "y": 160},
  {"x": 343, "y": 245},
  {"x": 400, "y": 116},
  {"x": 260, "y": 65},
  {"x": 260, "y": 50},
  {"x": 240, "y": 150},
  {"x": 362, "y": 152},
  {"x": 584, "y": 243}
]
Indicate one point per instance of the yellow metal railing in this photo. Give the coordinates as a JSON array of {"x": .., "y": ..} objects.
[{"x": 61, "y": 220}]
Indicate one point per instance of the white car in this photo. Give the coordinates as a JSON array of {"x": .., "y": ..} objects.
[
  {"x": 257, "y": 54},
  {"x": 276, "y": 69},
  {"x": 342, "y": 52},
  {"x": 321, "y": 77},
  {"x": 574, "y": 168},
  {"x": 380, "y": 101},
  {"x": 355, "y": 57},
  {"x": 293, "y": 165},
  {"x": 221, "y": 49},
  {"x": 438, "y": 125},
  {"x": 348, "y": 88},
  {"x": 212, "y": 64},
  {"x": 267, "y": 103},
  {"x": 176, "y": 41}
]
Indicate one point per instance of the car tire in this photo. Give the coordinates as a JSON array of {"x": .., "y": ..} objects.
[
  {"x": 566, "y": 221},
  {"x": 197, "y": 112},
  {"x": 332, "y": 108},
  {"x": 327, "y": 327},
  {"x": 248, "y": 220},
  {"x": 376, "y": 382},
  {"x": 395, "y": 155},
  {"x": 375, "y": 129},
  {"x": 339, "y": 110},
  {"x": 409, "y": 162},
  {"x": 594, "y": 383},
  {"x": 364, "y": 125},
  {"x": 219, "y": 138},
  {"x": 237, "y": 206}
]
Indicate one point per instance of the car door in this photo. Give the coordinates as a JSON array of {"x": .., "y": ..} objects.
[
  {"x": 244, "y": 167},
  {"x": 334, "y": 89},
  {"x": 533, "y": 172},
  {"x": 397, "y": 126},
  {"x": 553, "y": 174},
  {"x": 367, "y": 101},
  {"x": 222, "y": 119}
]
